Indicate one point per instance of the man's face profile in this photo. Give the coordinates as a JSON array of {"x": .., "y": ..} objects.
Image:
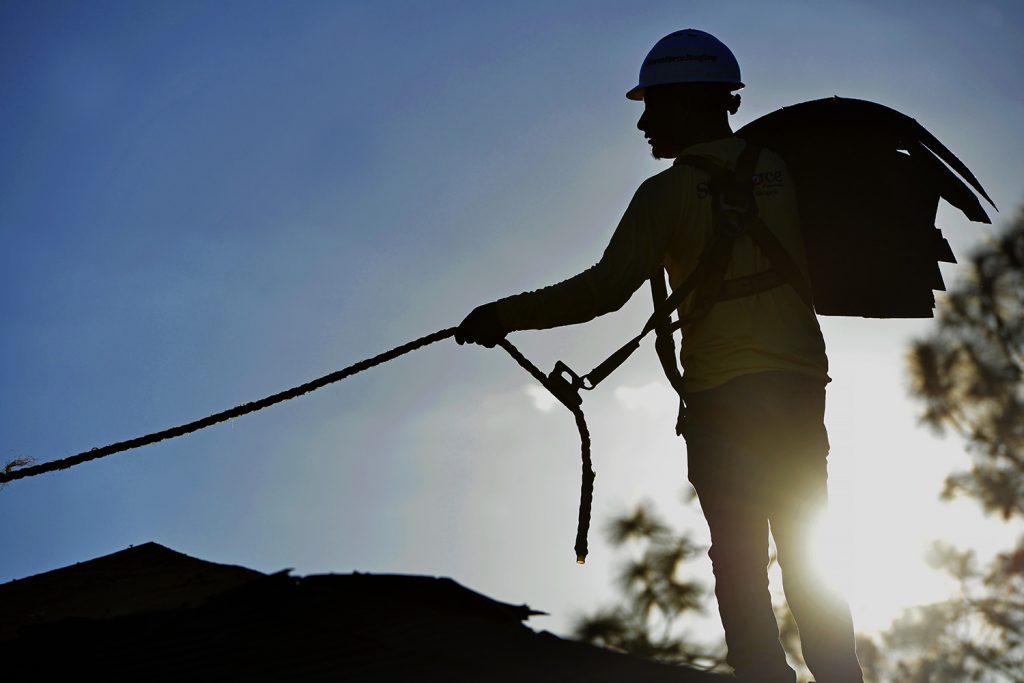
[{"x": 664, "y": 120}]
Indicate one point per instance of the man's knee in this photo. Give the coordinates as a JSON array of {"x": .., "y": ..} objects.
[{"x": 733, "y": 559}]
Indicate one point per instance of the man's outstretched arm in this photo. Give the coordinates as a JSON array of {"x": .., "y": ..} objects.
[{"x": 637, "y": 247}]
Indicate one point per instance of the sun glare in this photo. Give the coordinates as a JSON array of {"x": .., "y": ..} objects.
[
  {"x": 878, "y": 563},
  {"x": 884, "y": 508}
]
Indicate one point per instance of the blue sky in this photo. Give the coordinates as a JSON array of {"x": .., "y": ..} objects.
[{"x": 204, "y": 203}]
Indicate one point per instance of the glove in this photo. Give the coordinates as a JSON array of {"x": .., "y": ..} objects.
[{"x": 481, "y": 327}]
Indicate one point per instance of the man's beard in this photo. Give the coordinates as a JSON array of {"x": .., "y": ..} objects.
[{"x": 661, "y": 151}]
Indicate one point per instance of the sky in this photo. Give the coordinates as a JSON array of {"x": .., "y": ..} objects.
[{"x": 205, "y": 203}]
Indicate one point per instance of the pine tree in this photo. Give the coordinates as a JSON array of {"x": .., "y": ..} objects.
[
  {"x": 969, "y": 375},
  {"x": 655, "y": 599}
]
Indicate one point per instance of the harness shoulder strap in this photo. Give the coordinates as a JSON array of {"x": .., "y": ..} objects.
[
  {"x": 730, "y": 199},
  {"x": 664, "y": 342},
  {"x": 736, "y": 211},
  {"x": 780, "y": 259}
]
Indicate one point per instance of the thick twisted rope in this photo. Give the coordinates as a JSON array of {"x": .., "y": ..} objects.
[
  {"x": 225, "y": 415},
  {"x": 12, "y": 473},
  {"x": 587, "y": 479}
]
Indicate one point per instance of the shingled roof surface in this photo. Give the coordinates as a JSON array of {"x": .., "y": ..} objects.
[{"x": 150, "y": 613}]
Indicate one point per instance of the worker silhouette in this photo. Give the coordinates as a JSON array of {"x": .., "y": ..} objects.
[{"x": 753, "y": 358}]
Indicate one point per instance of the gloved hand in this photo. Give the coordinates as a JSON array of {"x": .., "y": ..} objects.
[{"x": 481, "y": 327}]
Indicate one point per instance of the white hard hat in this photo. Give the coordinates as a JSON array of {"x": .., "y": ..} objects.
[{"x": 688, "y": 56}]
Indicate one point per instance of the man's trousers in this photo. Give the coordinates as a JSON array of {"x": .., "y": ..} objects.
[{"x": 756, "y": 451}]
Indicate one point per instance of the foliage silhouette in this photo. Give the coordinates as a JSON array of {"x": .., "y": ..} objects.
[
  {"x": 976, "y": 636},
  {"x": 969, "y": 374},
  {"x": 655, "y": 597}
]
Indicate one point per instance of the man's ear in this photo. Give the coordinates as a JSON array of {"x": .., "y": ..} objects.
[{"x": 734, "y": 103}]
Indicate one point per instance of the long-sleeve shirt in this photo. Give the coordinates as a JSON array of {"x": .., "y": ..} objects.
[{"x": 667, "y": 223}]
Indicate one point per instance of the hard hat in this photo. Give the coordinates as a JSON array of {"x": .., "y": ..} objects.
[{"x": 688, "y": 56}]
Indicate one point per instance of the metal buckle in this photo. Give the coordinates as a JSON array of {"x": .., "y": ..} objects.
[{"x": 565, "y": 385}]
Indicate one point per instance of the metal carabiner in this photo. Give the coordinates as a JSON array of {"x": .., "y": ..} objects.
[{"x": 565, "y": 385}]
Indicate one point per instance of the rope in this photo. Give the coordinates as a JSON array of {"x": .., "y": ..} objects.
[
  {"x": 587, "y": 479},
  {"x": 223, "y": 416},
  {"x": 13, "y": 471}
]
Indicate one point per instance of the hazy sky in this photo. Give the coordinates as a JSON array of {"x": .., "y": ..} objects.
[{"x": 204, "y": 203}]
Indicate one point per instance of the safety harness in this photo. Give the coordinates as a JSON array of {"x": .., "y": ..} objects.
[{"x": 734, "y": 213}]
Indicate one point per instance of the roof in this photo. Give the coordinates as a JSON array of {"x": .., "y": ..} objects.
[
  {"x": 142, "y": 578},
  {"x": 151, "y": 613}
]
